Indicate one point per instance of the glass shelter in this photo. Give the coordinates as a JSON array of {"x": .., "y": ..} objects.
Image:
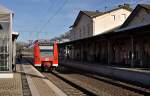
[{"x": 5, "y": 39}]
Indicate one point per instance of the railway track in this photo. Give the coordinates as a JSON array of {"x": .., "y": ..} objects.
[
  {"x": 100, "y": 86},
  {"x": 25, "y": 87},
  {"x": 69, "y": 87},
  {"x": 133, "y": 86},
  {"x": 83, "y": 84}
]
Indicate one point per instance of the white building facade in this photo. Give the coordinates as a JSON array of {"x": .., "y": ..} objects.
[{"x": 91, "y": 23}]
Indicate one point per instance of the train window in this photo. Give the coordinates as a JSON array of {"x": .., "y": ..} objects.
[{"x": 46, "y": 52}]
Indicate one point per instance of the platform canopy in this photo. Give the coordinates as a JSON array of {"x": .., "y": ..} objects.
[
  {"x": 5, "y": 13},
  {"x": 6, "y": 16}
]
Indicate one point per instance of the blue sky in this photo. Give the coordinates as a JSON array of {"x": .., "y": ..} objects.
[{"x": 31, "y": 16}]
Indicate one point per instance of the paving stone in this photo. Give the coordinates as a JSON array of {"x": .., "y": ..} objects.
[
  {"x": 42, "y": 88},
  {"x": 11, "y": 86},
  {"x": 18, "y": 85}
]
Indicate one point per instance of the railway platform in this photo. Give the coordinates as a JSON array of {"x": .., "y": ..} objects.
[
  {"x": 27, "y": 81},
  {"x": 139, "y": 76}
]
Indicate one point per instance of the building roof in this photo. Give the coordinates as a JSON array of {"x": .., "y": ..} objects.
[
  {"x": 4, "y": 10},
  {"x": 147, "y": 6},
  {"x": 93, "y": 14},
  {"x": 139, "y": 31},
  {"x": 99, "y": 35},
  {"x": 134, "y": 13}
]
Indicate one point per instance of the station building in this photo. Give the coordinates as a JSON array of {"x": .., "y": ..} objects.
[
  {"x": 125, "y": 44},
  {"x": 7, "y": 42},
  {"x": 90, "y": 24}
]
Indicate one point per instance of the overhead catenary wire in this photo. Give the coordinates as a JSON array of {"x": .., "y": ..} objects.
[
  {"x": 49, "y": 8},
  {"x": 45, "y": 14},
  {"x": 52, "y": 17}
]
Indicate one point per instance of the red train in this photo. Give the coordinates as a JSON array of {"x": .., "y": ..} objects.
[{"x": 45, "y": 54}]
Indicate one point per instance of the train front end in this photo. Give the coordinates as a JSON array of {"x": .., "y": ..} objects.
[{"x": 46, "y": 55}]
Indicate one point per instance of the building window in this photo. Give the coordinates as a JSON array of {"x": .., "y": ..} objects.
[
  {"x": 114, "y": 17},
  {"x": 124, "y": 16}
]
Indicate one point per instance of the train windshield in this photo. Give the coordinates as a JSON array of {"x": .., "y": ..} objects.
[{"x": 46, "y": 52}]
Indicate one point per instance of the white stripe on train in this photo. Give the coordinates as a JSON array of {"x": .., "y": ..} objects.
[
  {"x": 40, "y": 65},
  {"x": 37, "y": 64},
  {"x": 55, "y": 65}
]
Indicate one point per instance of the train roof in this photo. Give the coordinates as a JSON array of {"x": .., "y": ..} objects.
[{"x": 44, "y": 42}]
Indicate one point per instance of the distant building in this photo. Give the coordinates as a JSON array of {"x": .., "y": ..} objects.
[
  {"x": 62, "y": 38},
  {"x": 91, "y": 23}
]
